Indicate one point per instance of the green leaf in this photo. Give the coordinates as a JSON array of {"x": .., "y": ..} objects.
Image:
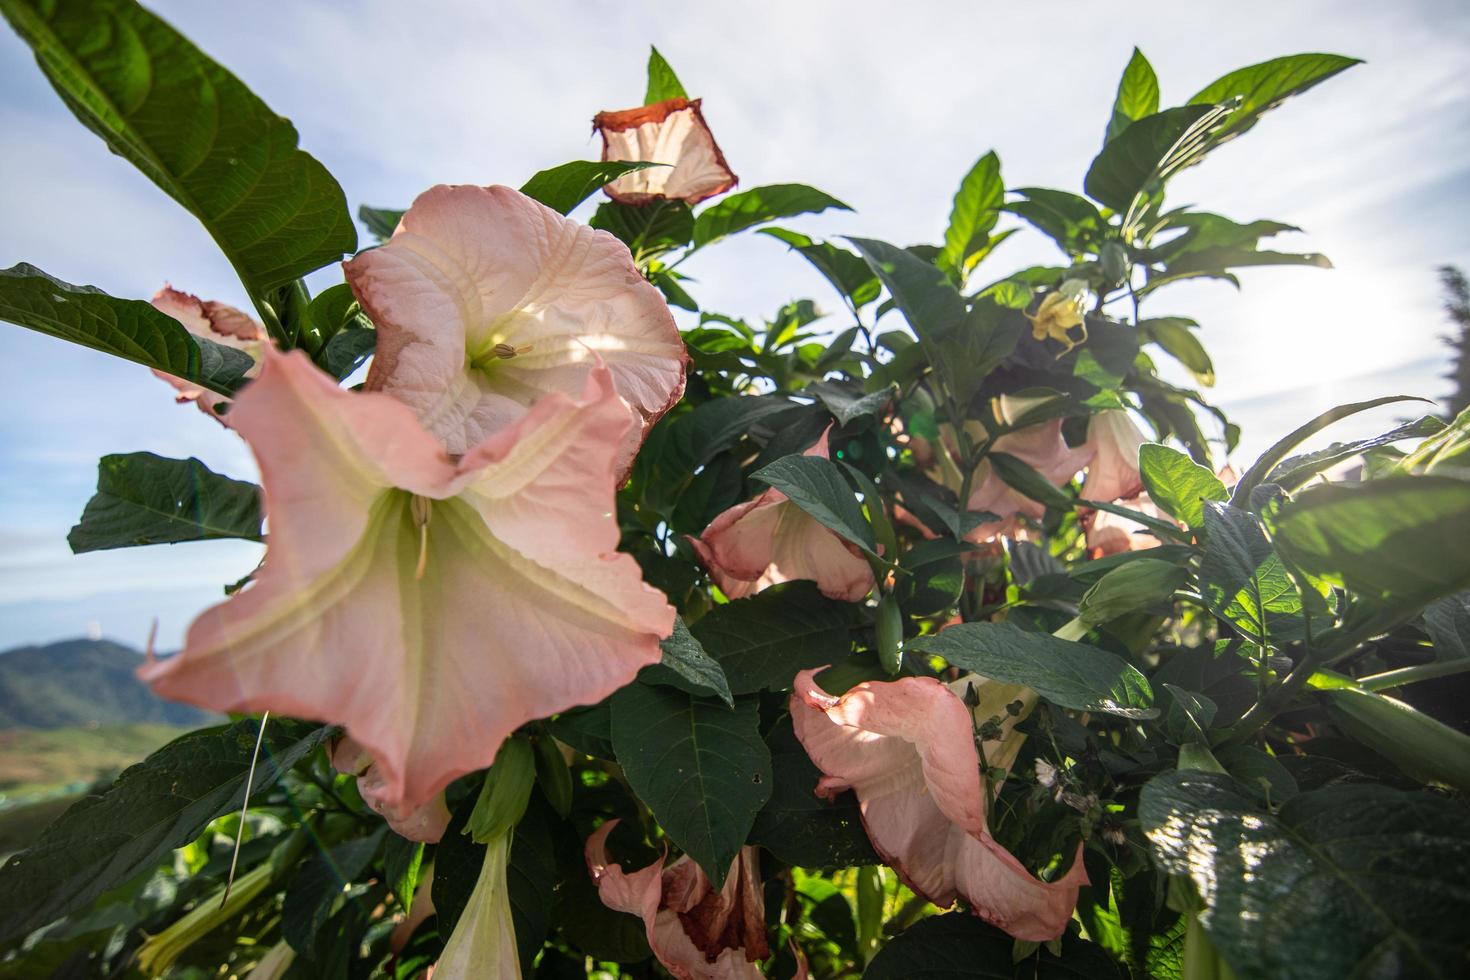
[
  {"x": 1069, "y": 675},
  {"x": 846, "y": 405},
  {"x": 309, "y": 899},
  {"x": 663, "y": 84},
  {"x": 798, "y": 826},
  {"x": 1070, "y": 220},
  {"x": 563, "y": 188},
  {"x": 758, "y": 206},
  {"x": 959, "y": 946},
  {"x": 1347, "y": 881},
  {"x": 194, "y": 130},
  {"x": 847, "y": 272},
  {"x": 403, "y": 859},
  {"x": 159, "y": 804},
  {"x": 1173, "y": 334},
  {"x": 126, "y": 328},
  {"x": 1243, "y": 581},
  {"x": 817, "y": 486},
  {"x": 1297, "y": 470},
  {"x": 763, "y": 641},
  {"x": 1447, "y": 621},
  {"x": 347, "y": 351},
  {"x": 688, "y": 667},
  {"x": 147, "y": 499},
  {"x": 1214, "y": 261},
  {"x": 1138, "y": 95},
  {"x": 649, "y": 230},
  {"x": 380, "y": 221},
  {"x": 1177, "y": 484},
  {"x": 1399, "y": 538},
  {"x": 975, "y": 210},
  {"x": 1257, "y": 473},
  {"x": 1263, "y": 87},
  {"x": 699, "y": 766},
  {"x": 1129, "y": 165}
]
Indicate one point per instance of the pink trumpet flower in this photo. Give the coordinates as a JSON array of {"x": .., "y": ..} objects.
[
  {"x": 907, "y": 749},
  {"x": 697, "y": 933},
  {"x": 213, "y": 321},
  {"x": 425, "y": 823},
  {"x": 429, "y": 604},
  {"x": 485, "y": 300},
  {"x": 1112, "y": 473},
  {"x": 670, "y": 132},
  {"x": 1042, "y": 447},
  {"x": 770, "y": 539}
]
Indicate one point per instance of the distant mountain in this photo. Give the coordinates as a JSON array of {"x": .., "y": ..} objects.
[{"x": 82, "y": 683}]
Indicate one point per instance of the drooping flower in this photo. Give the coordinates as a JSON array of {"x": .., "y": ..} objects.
[
  {"x": 483, "y": 943},
  {"x": 671, "y": 132},
  {"x": 213, "y": 321},
  {"x": 1060, "y": 311},
  {"x": 697, "y": 933},
  {"x": 1112, "y": 473},
  {"x": 425, "y": 823},
  {"x": 430, "y": 605},
  {"x": 485, "y": 300},
  {"x": 907, "y": 749},
  {"x": 770, "y": 539},
  {"x": 1043, "y": 448}
]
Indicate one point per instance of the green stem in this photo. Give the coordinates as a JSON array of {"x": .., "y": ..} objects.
[{"x": 1410, "y": 675}]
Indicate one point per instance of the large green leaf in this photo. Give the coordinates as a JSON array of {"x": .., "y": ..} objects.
[
  {"x": 563, "y": 188},
  {"x": 700, "y": 766},
  {"x": 1267, "y": 462},
  {"x": 1400, "y": 538},
  {"x": 126, "y": 328},
  {"x": 1243, "y": 581},
  {"x": 1263, "y": 87},
  {"x": 847, "y": 272},
  {"x": 649, "y": 230},
  {"x": 1447, "y": 621},
  {"x": 155, "y": 806},
  {"x": 146, "y": 499},
  {"x": 1347, "y": 881},
  {"x": 1070, "y": 675},
  {"x": 817, "y": 486},
  {"x": 1130, "y": 164},
  {"x": 1177, "y": 484},
  {"x": 959, "y": 946},
  {"x": 758, "y": 206},
  {"x": 1294, "y": 471},
  {"x": 687, "y": 666},
  {"x": 975, "y": 210},
  {"x": 763, "y": 641},
  {"x": 962, "y": 345},
  {"x": 1138, "y": 96},
  {"x": 308, "y": 901},
  {"x": 663, "y": 84},
  {"x": 196, "y": 131}
]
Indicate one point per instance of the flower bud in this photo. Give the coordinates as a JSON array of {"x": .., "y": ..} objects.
[
  {"x": 1422, "y": 746},
  {"x": 890, "y": 634},
  {"x": 1130, "y": 588},
  {"x": 505, "y": 792}
]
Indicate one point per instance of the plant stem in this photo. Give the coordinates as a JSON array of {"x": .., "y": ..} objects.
[{"x": 1410, "y": 675}]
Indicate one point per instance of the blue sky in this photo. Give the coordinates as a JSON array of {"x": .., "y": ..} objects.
[{"x": 885, "y": 113}]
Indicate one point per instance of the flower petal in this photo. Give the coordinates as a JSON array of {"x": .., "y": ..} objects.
[
  {"x": 430, "y": 642},
  {"x": 906, "y": 748},
  {"x": 472, "y": 271},
  {"x": 672, "y": 132},
  {"x": 1112, "y": 474}
]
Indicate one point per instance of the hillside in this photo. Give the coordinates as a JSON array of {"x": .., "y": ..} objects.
[{"x": 82, "y": 683}]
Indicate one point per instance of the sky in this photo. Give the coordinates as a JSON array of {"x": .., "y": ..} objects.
[{"x": 886, "y": 113}]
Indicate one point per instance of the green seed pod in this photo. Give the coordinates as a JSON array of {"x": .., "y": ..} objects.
[
  {"x": 890, "y": 634},
  {"x": 1130, "y": 588},
  {"x": 505, "y": 792},
  {"x": 1426, "y": 749},
  {"x": 553, "y": 775}
]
